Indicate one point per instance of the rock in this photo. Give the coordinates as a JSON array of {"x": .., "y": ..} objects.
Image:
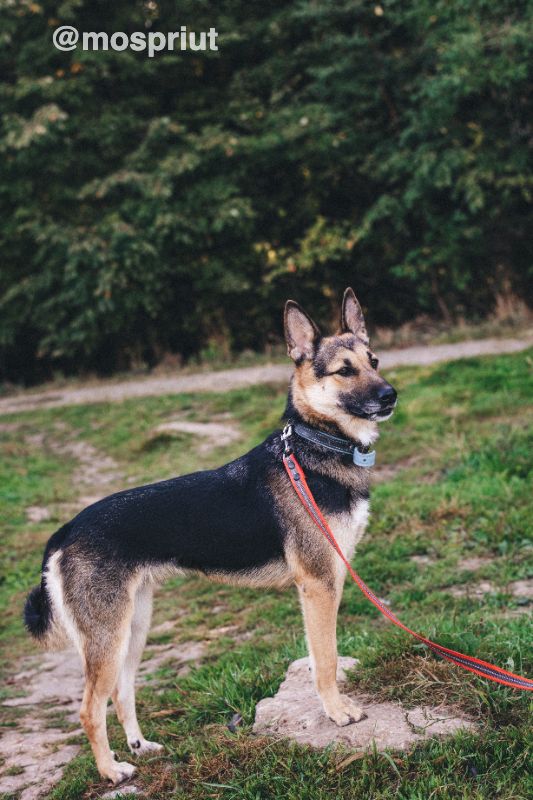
[
  {"x": 295, "y": 712},
  {"x": 122, "y": 791},
  {"x": 423, "y": 560}
]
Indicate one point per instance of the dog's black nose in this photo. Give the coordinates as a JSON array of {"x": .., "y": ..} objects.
[{"x": 387, "y": 395}]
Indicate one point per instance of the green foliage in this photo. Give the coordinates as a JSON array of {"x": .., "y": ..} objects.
[{"x": 172, "y": 203}]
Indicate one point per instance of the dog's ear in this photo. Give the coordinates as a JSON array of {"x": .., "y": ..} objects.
[
  {"x": 301, "y": 333},
  {"x": 352, "y": 320}
]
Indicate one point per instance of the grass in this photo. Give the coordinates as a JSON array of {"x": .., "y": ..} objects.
[{"x": 459, "y": 452}]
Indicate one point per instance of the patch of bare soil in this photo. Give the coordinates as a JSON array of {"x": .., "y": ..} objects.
[
  {"x": 9, "y": 427},
  {"x": 94, "y": 474},
  {"x": 522, "y": 590},
  {"x": 295, "y": 712},
  {"x": 213, "y": 434},
  {"x": 38, "y": 513},
  {"x": 248, "y": 376},
  {"x": 473, "y": 563},
  {"x": 38, "y": 748},
  {"x": 233, "y": 631},
  {"x": 182, "y": 655},
  {"x": 37, "y": 756},
  {"x": 469, "y": 564}
]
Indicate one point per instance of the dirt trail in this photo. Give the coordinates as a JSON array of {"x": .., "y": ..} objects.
[{"x": 249, "y": 376}]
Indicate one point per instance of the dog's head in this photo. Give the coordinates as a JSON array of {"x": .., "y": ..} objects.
[{"x": 336, "y": 380}]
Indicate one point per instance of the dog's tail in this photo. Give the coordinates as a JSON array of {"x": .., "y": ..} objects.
[{"x": 40, "y": 613}]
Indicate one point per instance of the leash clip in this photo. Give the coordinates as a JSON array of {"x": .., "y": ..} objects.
[
  {"x": 367, "y": 459},
  {"x": 285, "y": 438}
]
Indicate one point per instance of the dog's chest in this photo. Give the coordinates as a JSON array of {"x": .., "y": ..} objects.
[{"x": 349, "y": 527}]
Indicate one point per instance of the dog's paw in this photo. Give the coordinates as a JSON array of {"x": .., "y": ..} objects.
[
  {"x": 345, "y": 712},
  {"x": 139, "y": 747},
  {"x": 119, "y": 772}
]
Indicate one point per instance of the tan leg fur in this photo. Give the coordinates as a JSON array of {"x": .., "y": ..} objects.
[
  {"x": 124, "y": 693},
  {"x": 320, "y": 604}
]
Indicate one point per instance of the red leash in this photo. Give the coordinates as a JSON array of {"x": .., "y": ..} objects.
[{"x": 476, "y": 665}]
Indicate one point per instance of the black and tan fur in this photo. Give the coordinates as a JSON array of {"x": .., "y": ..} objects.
[{"x": 241, "y": 523}]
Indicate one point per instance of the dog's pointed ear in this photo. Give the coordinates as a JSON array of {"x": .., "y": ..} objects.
[
  {"x": 352, "y": 319},
  {"x": 301, "y": 333}
]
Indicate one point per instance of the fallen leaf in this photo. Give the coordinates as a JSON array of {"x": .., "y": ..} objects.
[
  {"x": 166, "y": 712},
  {"x": 347, "y": 761}
]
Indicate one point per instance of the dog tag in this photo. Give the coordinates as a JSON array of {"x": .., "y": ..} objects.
[{"x": 364, "y": 459}]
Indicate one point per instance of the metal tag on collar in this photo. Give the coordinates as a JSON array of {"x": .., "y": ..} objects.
[{"x": 364, "y": 459}]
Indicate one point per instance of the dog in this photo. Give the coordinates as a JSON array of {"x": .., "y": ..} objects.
[{"x": 241, "y": 524}]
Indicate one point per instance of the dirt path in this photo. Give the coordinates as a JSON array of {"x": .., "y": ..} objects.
[{"x": 249, "y": 376}]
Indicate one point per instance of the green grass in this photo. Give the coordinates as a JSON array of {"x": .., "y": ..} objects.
[{"x": 462, "y": 440}]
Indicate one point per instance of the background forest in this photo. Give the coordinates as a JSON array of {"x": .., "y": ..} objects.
[{"x": 171, "y": 204}]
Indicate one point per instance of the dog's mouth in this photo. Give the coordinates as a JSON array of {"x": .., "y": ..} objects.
[
  {"x": 374, "y": 412},
  {"x": 386, "y": 412},
  {"x": 376, "y": 406}
]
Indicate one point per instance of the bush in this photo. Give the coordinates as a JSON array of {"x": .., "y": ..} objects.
[{"x": 161, "y": 204}]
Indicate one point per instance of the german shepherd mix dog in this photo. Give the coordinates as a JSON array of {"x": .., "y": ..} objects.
[{"x": 239, "y": 524}]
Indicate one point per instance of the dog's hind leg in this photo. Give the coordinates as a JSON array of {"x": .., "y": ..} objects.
[
  {"x": 124, "y": 694},
  {"x": 101, "y": 680},
  {"x": 104, "y": 651},
  {"x": 320, "y": 603}
]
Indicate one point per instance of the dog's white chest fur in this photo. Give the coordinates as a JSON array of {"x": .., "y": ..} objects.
[{"x": 348, "y": 528}]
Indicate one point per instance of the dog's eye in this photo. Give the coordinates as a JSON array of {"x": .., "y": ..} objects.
[
  {"x": 346, "y": 371},
  {"x": 374, "y": 362}
]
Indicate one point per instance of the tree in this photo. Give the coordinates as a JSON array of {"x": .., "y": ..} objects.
[{"x": 155, "y": 204}]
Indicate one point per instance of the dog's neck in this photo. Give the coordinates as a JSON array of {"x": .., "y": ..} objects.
[{"x": 355, "y": 429}]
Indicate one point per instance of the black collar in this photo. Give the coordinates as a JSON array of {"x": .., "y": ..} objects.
[{"x": 360, "y": 454}]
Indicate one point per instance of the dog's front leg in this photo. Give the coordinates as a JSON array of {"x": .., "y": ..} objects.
[{"x": 320, "y": 604}]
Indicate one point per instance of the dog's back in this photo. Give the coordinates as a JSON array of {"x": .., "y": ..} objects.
[{"x": 224, "y": 522}]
